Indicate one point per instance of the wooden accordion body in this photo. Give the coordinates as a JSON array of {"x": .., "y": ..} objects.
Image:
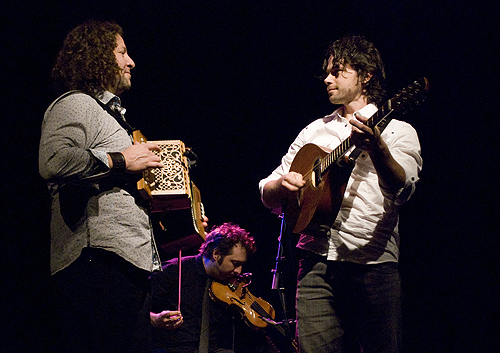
[{"x": 175, "y": 201}]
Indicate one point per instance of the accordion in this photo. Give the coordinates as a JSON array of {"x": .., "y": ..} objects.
[{"x": 175, "y": 201}]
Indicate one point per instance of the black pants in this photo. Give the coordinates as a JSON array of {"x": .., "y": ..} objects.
[
  {"x": 101, "y": 305},
  {"x": 347, "y": 307}
]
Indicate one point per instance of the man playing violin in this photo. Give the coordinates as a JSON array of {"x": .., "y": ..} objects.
[{"x": 222, "y": 255}]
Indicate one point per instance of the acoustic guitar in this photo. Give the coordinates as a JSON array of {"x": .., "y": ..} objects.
[{"x": 326, "y": 172}]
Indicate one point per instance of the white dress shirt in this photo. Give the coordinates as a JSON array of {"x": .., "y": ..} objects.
[{"x": 366, "y": 228}]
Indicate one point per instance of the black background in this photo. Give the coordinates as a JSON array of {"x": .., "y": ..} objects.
[{"x": 236, "y": 81}]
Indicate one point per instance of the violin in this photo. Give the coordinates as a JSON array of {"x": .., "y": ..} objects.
[{"x": 256, "y": 312}]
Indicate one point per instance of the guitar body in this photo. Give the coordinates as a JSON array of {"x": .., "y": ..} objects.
[
  {"x": 319, "y": 201},
  {"x": 237, "y": 295}
]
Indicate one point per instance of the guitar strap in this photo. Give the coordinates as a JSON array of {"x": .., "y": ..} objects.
[{"x": 355, "y": 154}]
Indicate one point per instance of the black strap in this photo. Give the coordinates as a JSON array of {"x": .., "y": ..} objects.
[{"x": 116, "y": 114}]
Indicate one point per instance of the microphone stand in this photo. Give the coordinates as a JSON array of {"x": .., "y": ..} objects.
[{"x": 277, "y": 283}]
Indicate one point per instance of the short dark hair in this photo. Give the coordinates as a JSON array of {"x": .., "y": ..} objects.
[
  {"x": 224, "y": 238},
  {"x": 362, "y": 56},
  {"x": 86, "y": 61}
]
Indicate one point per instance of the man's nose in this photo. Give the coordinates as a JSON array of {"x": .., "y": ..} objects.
[
  {"x": 328, "y": 79},
  {"x": 130, "y": 62}
]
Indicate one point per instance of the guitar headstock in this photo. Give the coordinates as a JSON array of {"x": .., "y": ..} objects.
[{"x": 411, "y": 96}]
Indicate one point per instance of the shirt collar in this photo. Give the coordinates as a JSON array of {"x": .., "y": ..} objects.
[
  {"x": 107, "y": 96},
  {"x": 113, "y": 101},
  {"x": 367, "y": 111}
]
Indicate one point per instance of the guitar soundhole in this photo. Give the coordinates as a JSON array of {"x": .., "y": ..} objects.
[{"x": 316, "y": 174}]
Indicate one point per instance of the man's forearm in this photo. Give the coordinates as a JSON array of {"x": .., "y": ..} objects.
[
  {"x": 391, "y": 174},
  {"x": 272, "y": 194}
]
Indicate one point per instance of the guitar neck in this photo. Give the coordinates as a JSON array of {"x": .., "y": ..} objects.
[{"x": 380, "y": 119}]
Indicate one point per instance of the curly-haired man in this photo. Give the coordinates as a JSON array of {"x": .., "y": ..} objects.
[
  {"x": 348, "y": 292},
  {"x": 102, "y": 248},
  {"x": 221, "y": 258}
]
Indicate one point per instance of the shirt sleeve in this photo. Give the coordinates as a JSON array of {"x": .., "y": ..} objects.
[
  {"x": 69, "y": 132},
  {"x": 404, "y": 146},
  {"x": 284, "y": 167}
]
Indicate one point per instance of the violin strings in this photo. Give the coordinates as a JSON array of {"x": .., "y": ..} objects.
[{"x": 259, "y": 309}]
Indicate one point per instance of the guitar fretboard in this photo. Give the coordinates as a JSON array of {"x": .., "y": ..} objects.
[{"x": 379, "y": 118}]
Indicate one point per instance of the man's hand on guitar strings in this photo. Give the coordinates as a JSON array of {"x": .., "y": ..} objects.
[
  {"x": 286, "y": 187},
  {"x": 292, "y": 182}
]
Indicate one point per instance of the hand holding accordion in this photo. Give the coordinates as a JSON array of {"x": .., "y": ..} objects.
[{"x": 169, "y": 190}]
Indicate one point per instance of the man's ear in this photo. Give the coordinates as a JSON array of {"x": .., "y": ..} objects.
[
  {"x": 367, "y": 78},
  {"x": 216, "y": 255}
]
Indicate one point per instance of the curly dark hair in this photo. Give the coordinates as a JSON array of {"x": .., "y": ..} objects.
[
  {"x": 224, "y": 238},
  {"x": 86, "y": 60},
  {"x": 362, "y": 56}
]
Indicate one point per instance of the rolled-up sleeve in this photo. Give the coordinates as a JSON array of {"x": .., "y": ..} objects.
[{"x": 404, "y": 145}]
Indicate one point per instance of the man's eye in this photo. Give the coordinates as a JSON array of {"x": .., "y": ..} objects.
[{"x": 335, "y": 72}]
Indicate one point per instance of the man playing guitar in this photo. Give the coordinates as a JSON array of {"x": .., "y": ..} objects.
[{"x": 348, "y": 294}]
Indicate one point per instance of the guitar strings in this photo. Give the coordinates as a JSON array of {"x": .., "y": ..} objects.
[
  {"x": 339, "y": 151},
  {"x": 328, "y": 160}
]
